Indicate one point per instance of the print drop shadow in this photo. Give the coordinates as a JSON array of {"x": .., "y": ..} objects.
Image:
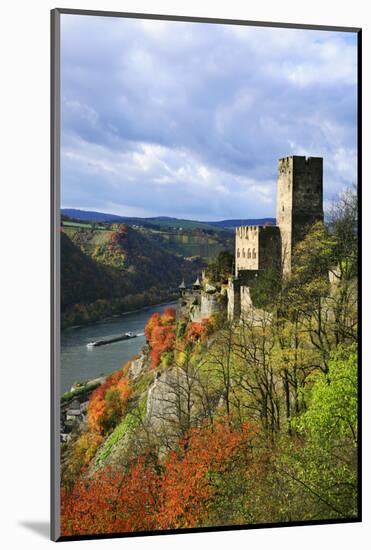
[{"x": 41, "y": 528}]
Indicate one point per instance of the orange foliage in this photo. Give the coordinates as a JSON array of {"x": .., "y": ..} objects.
[
  {"x": 120, "y": 234},
  {"x": 123, "y": 387},
  {"x": 82, "y": 451},
  {"x": 126, "y": 366},
  {"x": 187, "y": 487},
  {"x": 160, "y": 334},
  {"x": 109, "y": 399},
  {"x": 178, "y": 493},
  {"x": 198, "y": 331},
  {"x": 168, "y": 317},
  {"x": 152, "y": 322},
  {"x": 111, "y": 502},
  {"x": 163, "y": 339},
  {"x": 195, "y": 332}
]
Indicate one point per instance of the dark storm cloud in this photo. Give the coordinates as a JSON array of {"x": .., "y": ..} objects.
[{"x": 170, "y": 118}]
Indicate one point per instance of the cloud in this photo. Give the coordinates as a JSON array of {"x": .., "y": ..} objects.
[{"x": 190, "y": 119}]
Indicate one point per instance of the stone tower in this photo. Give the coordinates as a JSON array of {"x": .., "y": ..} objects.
[{"x": 299, "y": 201}]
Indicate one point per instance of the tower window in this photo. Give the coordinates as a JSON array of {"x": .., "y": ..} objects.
[
  {"x": 243, "y": 253},
  {"x": 253, "y": 253},
  {"x": 249, "y": 253},
  {"x": 283, "y": 208},
  {"x": 238, "y": 252}
]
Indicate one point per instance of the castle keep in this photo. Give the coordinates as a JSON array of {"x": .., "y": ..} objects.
[
  {"x": 299, "y": 206},
  {"x": 299, "y": 201},
  {"x": 258, "y": 248}
]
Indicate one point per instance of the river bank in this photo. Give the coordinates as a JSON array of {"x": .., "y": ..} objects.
[
  {"x": 123, "y": 314},
  {"x": 80, "y": 363},
  {"x": 85, "y": 314}
]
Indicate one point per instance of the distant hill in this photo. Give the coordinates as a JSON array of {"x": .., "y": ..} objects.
[
  {"x": 231, "y": 224},
  {"x": 106, "y": 272},
  {"x": 92, "y": 216},
  {"x": 82, "y": 279},
  {"x": 161, "y": 221}
]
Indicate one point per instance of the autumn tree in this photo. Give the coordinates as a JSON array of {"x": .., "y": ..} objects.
[
  {"x": 111, "y": 501},
  {"x": 108, "y": 402},
  {"x": 161, "y": 335},
  {"x": 192, "y": 485}
]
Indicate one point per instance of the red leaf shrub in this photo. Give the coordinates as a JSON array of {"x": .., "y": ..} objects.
[
  {"x": 160, "y": 334},
  {"x": 108, "y": 402}
]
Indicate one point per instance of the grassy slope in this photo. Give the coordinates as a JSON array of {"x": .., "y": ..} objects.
[{"x": 95, "y": 267}]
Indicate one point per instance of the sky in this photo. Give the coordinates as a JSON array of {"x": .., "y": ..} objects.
[{"x": 167, "y": 118}]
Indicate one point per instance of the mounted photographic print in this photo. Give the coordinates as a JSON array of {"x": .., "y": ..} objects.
[{"x": 205, "y": 340}]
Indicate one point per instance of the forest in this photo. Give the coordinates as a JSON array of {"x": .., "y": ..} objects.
[
  {"x": 223, "y": 423},
  {"x": 112, "y": 269}
]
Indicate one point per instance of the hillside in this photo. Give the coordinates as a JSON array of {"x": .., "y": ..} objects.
[
  {"x": 106, "y": 272},
  {"x": 162, "y": 221},
  {"x": 82, "y": 279},
  {"x": 205, "y": 243},
  {"x": 217, "y": 423}
]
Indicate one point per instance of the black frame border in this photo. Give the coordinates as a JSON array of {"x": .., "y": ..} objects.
[{"x": 55, "y": 128}]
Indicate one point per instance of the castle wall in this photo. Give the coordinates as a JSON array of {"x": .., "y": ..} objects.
[
  {"x": 284, "y": 210},
  {"x": 195, "y": 314},
  {"x": 269, "y": 247},
  {"x": 307, "y": 207},
  {"x": 209, "y": 305},
  {"x": 247, "y": 248},
  {"x": 256, "y": 248},
  {"x": 234, "y": 299},
  {"x": 250, "y": 313},
  {"x": 189, "y": 304},
  {"x": 197, "y": 305},
  {"x": 299, "y": 206},
  {"x": 246, "y": 302},
  {"x": 299, "y": 201}
]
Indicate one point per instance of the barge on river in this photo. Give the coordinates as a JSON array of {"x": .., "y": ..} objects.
[{"x": 126, "y": 336}]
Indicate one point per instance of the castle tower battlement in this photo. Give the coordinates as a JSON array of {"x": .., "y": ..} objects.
[
  {"x": 256, "y": 247},
  {"x": 299, "y": 201},
  {"x": 247, "y": 231}
]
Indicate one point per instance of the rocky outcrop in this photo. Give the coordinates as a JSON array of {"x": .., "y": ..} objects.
[
  {"x": 165, "y": 402},
  {"x": 174, "y": 404},
  {"x": 136, "y": 368}
]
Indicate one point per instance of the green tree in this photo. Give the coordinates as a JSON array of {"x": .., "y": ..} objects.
[
  {"x": 343, "y": 225},
  {"x": 220, "y": 267},
  {"x": 326, "y": 465},
  {"x": 267, "y": 288},
  {"x": 332, "y": 410}
]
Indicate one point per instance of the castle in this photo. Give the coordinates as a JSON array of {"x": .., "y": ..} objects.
[{"x": 257, "y": 248}]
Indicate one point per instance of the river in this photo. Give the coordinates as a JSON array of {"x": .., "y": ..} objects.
[{"x": 79, "y": 363}]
